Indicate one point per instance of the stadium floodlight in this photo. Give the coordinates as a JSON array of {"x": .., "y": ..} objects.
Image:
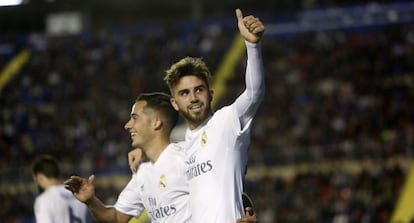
[{"x": 10, "y": 2}]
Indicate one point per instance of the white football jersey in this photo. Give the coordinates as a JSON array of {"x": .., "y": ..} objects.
[
  {"x": 58, "y": 205},
  {"x": 161, "y": 188},
  {"x": 216, "y": 163},
  {"x": 217, "y": 151}
]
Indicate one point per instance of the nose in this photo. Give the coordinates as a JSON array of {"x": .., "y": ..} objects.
[
  {"x": 194, "y": 97},
  {"x": 127, "y": 125}
]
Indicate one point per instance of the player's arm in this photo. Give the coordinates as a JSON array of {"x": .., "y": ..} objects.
[
  {"x": 251, "y": 29},
  {"x": 84, "y": 191},
  {"x": 103, "y": 213}
]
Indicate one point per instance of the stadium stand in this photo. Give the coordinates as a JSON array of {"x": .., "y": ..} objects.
[{"x": 333, "y": 141}]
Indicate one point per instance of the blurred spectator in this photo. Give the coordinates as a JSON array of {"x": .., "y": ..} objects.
[{"x": 331, "y": 96}]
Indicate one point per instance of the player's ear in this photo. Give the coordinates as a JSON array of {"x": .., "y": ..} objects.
[
  {"x": 174, "y": 103},
  {"x": 158, "y": 123},
  {"x": 40, "y": 179},
  {"x": 211, "y": 94}
]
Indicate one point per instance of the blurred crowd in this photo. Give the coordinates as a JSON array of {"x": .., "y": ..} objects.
[{"x": 330, "y": 96}]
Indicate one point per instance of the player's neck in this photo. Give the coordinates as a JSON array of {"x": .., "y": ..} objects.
[
  {"x": 52, "y": 182},
  {"x": 194, "y": 124},
  {"x": 154, "y": 150}
]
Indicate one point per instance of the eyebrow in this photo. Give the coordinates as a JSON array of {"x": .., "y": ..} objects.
[
  {"x": 200, "y": 86},
  {"x": 183, "y": 91},
  {"x": 196, "y": 87}
]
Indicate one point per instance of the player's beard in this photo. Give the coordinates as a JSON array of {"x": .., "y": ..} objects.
[{"x": 196, "y": 118}]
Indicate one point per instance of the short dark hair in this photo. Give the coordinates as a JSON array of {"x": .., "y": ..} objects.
[
  {"x": 160, "y": 102},
  {"x": 46, "y": 165}
]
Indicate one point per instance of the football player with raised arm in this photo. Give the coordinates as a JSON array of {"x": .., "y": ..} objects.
[{"x": 217, "y": 142}]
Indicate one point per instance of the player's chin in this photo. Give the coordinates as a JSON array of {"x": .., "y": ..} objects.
[
  {"x": 135, "y": 145},
  {"x": 200, "y": 115}
]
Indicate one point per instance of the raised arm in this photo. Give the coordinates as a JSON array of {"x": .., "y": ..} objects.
[
  {"x": 251, "y": 29},
  {"x": 84, "y": 191}
]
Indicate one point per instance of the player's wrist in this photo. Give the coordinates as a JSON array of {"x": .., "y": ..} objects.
[
  {"x": 252, "y": 45},
  {"x": 91, "y": 201}
]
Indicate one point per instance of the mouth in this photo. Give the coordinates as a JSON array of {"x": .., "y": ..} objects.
[
  {"x": 195, "y": 108},
  {"x": 133, "y": 134}
]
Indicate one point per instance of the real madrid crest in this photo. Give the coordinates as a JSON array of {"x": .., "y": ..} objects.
[
  {"x": 162, "y": 184},
  {"x": 204, "y": 138}
]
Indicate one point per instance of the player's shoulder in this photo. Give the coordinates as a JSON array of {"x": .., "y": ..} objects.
[
  {"x": 40, "y": 199},
  {"x": 47, "y": 196},
  {"x": 181, "y": 148},
  {"x": 63, "y": 192},
  {"x": 221, "y": 115},
  {"x": 177, "y": 146},
  {"x": 143, "y": 166},
  {"x": 177, "y": 149}
]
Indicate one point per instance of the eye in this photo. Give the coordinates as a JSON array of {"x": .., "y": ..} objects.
[
  {"x": 184, "y": 93},
  {"x": 199, "y": 89}
]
